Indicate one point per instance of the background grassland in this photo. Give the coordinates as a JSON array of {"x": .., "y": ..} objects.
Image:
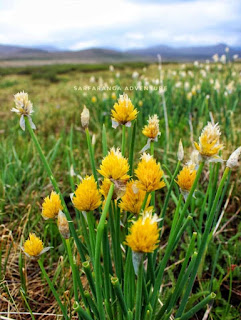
[{"x": 57, "y": 108}]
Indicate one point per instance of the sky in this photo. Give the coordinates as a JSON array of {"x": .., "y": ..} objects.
[{"x": 119, "y": 24}]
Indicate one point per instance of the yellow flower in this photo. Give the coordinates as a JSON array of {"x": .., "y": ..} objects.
[
  {"x": 186, "y": 178},
  {"x": 149, "y": 174},
  {"x": 140, "y": 103},
  {"x": 144, "y": 234},
  {"x": 123, "y": 112},
  {"x": 87, "y": 197},
  {"x": 33, "y": 247},
  {"x": 209, "y": 145},
  {"x": 114, "y": 166},
  {"x": 93, "y": 99},
  {"x": 24, "y": 108},
  {"x": 51, "y": 206},
  {"x": 113, "y": 95},
  {"x": 152, "y": 129},
  {"x": 133, "y": 199}
]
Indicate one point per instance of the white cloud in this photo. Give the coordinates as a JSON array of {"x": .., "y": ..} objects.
[{"x": 78, "y": 24}]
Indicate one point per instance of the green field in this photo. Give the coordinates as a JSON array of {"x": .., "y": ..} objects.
[{"x": 194, "y": 95}]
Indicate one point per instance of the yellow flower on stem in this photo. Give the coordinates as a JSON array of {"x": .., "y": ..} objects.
[
  {"x": 87, "y": 196},
  {"x": 51, "y": 206},
  {"x": 149, "y": 174},
  {"x": 123, "y": 112},
  {"x": 185, "y": 179},
  {"x": 133, "y": 199},
  {"x": 144, "y": 233},
  {"x": 151, "y": 131},
  {"x": 114, "y": 166},
  {"x": 33, "y": 247},
  {"x": 24, "y": 108},
  {"x": 209, "y": 145},
  {"x": 93, "y": 99}
]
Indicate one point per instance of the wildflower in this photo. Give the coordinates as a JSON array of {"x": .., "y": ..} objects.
[
  {"x": 151, "y": 131},
  {"x": 119, "y": 188},
  {"x": 144, "y": 233},
  {"x": 223, "y": 58},
  {"x": 180, "y": 152},
  {"x": 194, "y": 159},
  {"x": 85, "y": 117},
  {"x": 87, "y": 197},
  {"x": 209, "y": 145},
  {"x": 63, "y": 225},
  {"x": 33, "y": 247},
  {"x": 149, "y": 174},
  {"x": 93, "y": 99},
  {"x": 51, "y": 206},
  {"x": 114, "y": 166},
  {"x": 140, "y": 103},
  {"x": 123, "y": 112},
  {"x": 133, "y": 199},
  {"x": 113, "y": 96},
  {"x": 23, "y": 107},
  {"x": 233, "y": 159},
  {"x": 215, "y": 57},
  {"x": 185, "y": 179}
]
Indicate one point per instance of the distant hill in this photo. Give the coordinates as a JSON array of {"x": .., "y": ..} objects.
[
  {"x": 93, "y": 55},
  {"x": 185, "y": 53}
]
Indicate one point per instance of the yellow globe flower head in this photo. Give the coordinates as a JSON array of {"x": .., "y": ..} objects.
[
  {"x": 144, "y": 233},
  {"x": 24, "y": 108},
  {"x": 123, "y": 112},
  {"x": 119, "y": 188},
  {"x": 149, "y": 174},
  {"x": 209, "y": 145},
  {"x": 151, "y": 131},
  {"x": 185, "y": 179},
  {"x": 33, "y": 247},
  {"x": 133, "y": 199},
  {"x": 114, "y": 166},
  {"x": 87, "y": 196},
  {"x": 93, "y": 99},
  {"x": 51, "y": 206}
]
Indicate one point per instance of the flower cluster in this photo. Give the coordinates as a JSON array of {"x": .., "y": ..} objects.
[{"x": 123, "y": 112}]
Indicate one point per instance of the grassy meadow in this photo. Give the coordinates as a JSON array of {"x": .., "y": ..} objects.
[{"x": 193, "y": 95}]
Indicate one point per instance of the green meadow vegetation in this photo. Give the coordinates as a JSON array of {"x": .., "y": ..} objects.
[{"x": 197, "y": 261}]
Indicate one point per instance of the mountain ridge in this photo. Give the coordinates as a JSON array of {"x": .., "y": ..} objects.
[{"x": 168, "y": 53}]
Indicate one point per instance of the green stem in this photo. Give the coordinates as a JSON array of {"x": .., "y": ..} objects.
[
  {"x": 164, "y": 209},
  {"x": 116, "y": 284},
  {"x": 153, "y": 192},
  {"x": 104, "y": 141},
  {"x": 139, "y": 292},
  {"x": 123, "y": 144},
  {"x": 90, "y": 220},
  {"x": 83, "y": 313},
  {"x": 91, "y": 154},
  {"x": 63, "y": 309},
  {"x": 97, "y": 266},
  {"x": 144, "y": 202},
  {"x": 131, "y": 154},
  {"x": 56, "y": 187},
  {"x": 198, "y": 307}
]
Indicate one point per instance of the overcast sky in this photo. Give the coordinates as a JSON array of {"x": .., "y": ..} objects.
[{"x": 122, "y": 24}]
